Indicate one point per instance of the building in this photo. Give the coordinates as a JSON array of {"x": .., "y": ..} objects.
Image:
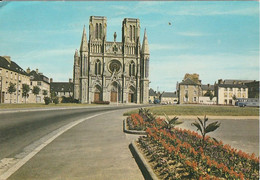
[
  {"x": 189, "y": 91},
  {"x": 206, "y": 100},
  {"x": 207, "y": 88},
  {"x": 228, "y": 93},
  {"x": 62, "y": 89},
  {"x": 169, "y": 98},
  {"x": 253, "y": 89},
  {"x": 10, "y": 72},
  {"x": 38, "y": 79},
  {"x": 112, "y": 71},
  {"x": 154, "y": 97}
]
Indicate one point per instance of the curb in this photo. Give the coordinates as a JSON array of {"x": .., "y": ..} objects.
[
  {"x": 132, "y": 131},
  {"x": 142, "y": 163}
]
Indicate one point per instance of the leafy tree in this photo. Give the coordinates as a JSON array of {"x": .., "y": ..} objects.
[
  {"x": 53, "y": 95},
  {"x": 204, "y": 128},
  {"x": 171, "y": 123},
  {"x": 45, "y": 92},
  {"x": 211, "y": 96},
  {"x": 11, "y": 90},
  {"x": 234, "y": 97},
  {"x": 25, "y": 91},
  {"x": 47, "y": 100},
  {"x": 36, "y": 91}
]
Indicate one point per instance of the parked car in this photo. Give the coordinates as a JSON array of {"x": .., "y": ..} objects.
[{"x": 241, "y": 104}]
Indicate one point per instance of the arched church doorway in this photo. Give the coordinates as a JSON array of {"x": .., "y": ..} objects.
[
  {"x": 115, "y": 92},
  {"x": 97, "y": 93},
  {"x": 131, "y": 95}
]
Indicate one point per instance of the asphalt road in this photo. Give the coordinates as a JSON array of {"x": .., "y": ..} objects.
[{"x": 18, "y": 130}]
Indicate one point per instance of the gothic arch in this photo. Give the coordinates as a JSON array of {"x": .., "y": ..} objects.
[
  {"x": 97, "y": 93},
  {"x": 131, "y": 94},
  {"x": 115, "y": 92},
  {"x": 131, "y": 68},
  {"x": 98, "y": 67}
]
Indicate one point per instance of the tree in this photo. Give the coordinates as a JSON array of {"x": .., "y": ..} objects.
[
  {"x": 209, "y": 93},
  {"x": 204, "y": 128},
  {"x": 11, "y": 89},
  {"x": 25, "y": 91},
  {"x": 234, "y": 97},
  {"x": 36, "y": 91},
  {"x": 45, "y": 92}
]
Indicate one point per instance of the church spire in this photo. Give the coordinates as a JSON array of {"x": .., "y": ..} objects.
[
  {"x": 84, "y": 42},
  {"x": 145, "y": 47}
]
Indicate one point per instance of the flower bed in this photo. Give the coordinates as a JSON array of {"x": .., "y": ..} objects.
[{"x": 178, "y": 155}]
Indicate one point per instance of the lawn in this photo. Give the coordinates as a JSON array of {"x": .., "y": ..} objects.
[
  {"x": 41, "y": 105},
  {"x": 197, "y": 110}
]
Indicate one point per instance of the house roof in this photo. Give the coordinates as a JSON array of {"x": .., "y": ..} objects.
[
  {"x": 169, "y": 94},
  {"x": 152, "y": 92},
  {"x": 61, "y": 87},
  {"x": 188, "y": 81},
  {"x": 236, "y": 81},
  {"x": 34, "y": 76},
  {"x": 12, "y": 66},
  {"x": 232, "y": 85},
  {"x": 205, "y": 87}
]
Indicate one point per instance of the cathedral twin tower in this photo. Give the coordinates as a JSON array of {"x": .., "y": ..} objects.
[{"x": 112, "y": 71}]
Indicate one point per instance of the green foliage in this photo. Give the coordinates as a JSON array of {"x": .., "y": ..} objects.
[
  {"x": 53, "y": 95},
  {"x": 36, "y": 90},
  {"x": 25, "y": 91},
  {"x": 202, "y": 126},
  {"x": 171, "y": 123},
  {"x": 45, "y": 92},
  {"x": 47, "y": 100},
  {"x": 56, "y": 100},
  {"x": 11, "y": 88},
  {"x": 234, "y": 97}
]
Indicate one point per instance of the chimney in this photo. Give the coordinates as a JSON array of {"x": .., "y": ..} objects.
[
  {"x": 8, "y": 58},
  {"x": 37, "y": 71},
  {"x": 70, "y": 80},
  {"x": 51, "y": 80},
  {"x": 220, "y": 81},
  {"x": 28, "y": 70}
]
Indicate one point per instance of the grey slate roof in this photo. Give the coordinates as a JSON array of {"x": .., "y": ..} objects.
[
  {"x": 206, "y": 87},
  {"x": 236, "y": 81},
  {"x": 61, "y": 87},
  {"x": 169, "y": 94},
  {"x": 232, "y": 85},
  {"x": 11, "y": 66},
  {"x": 188, "y": 81},
  {"x": 152, "y": 92},
  {"x": 38, "y": 77}
]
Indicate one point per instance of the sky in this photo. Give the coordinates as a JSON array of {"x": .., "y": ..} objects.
[{"x": 215, "y": 39}]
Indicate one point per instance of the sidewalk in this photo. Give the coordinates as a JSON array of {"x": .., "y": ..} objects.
[{"x": 96, "y": 149}]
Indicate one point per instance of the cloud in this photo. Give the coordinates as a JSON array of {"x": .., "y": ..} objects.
[{"x": 165, "y": 71}]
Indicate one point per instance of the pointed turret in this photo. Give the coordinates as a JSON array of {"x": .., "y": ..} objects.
[
  {"x": 145, "y": 46},
  {"x": 76, "y": 53},
  {"x": 84, "y": 42}
]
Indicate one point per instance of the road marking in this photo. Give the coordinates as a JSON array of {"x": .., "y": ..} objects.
[{"x": 25, "y": 159}]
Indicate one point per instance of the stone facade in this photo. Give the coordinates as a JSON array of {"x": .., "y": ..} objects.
[
  {"x": 38, "y": 79},
  {"x": 189, "y": 91},
  {"x": 10, "y": 72},
  {"x": 112, "y": 71}
]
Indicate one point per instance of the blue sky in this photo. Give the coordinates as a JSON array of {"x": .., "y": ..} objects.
[{"x": 214, "y": 39}]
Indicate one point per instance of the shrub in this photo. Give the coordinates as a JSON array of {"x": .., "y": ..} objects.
[
  {"x": 100, "y": 102},
  {"x": 47, "y": 100},
  {"x": 56, "y": 100}
]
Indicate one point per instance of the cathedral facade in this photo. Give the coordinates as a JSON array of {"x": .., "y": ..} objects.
[{"x": 117, "y": 72}]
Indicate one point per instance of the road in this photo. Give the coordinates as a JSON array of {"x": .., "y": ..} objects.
[
  {"x": 21, "y": 133},
  {"x": 87, "y": 143}
]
